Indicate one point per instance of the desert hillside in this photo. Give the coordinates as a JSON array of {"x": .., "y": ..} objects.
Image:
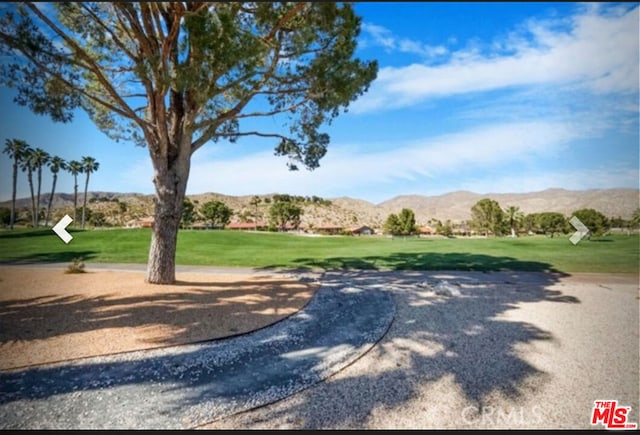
[{"x": 119, "y": 208}]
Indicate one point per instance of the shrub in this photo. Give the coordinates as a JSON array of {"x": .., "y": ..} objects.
[{"x": 76, "y": 266}]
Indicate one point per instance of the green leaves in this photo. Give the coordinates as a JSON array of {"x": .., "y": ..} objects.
[
  {"x": 597, "y": 223},
  {"x": 160, "y": 72},
  {"x": 283, "y": 213},
  {"x": 487, "y": 216},
  {"x": 403, "y": 224},
  {"x": 216, "y": 212}
]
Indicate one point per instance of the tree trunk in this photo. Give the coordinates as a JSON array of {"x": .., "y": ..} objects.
[
  {"x": 38, "y": 197},
  {"x": 84, "y": 204},
  {"x": 75, "y": 200},
  {"x": 171, "y": 184},
  {"x": 33, "y": 198},
  {"x": 13, "y": 195},
  {"x": 53, "y": 189}
]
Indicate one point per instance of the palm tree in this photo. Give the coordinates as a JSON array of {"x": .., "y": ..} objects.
[
  {"x": 39, "y": 159},
  {"x": 89, "y": 165},
  {"x": 255, "y": 201},
  {"x": 75, "y": 168},
  {"x": 15, "y": 148},
  {"x": 514, "y": 215},
  {"x": 27, "y": 166},
  {"x": 55, "y": 164}
]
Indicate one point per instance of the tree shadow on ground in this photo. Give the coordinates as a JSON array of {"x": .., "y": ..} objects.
[
  {"x": 459, "y": 339},
  {"x": 27, "y": 233},
  {"x": 51, "y": 257},
  {"x": 186, "y": 316},
  {"x": 421, "y": 261}
]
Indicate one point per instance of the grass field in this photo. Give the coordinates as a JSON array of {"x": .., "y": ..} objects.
[{"x": 263, "y": 250}]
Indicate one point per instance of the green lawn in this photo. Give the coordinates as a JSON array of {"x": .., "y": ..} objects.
[{"x": 263, "y": 250}]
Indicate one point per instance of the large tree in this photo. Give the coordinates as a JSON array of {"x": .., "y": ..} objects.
[
  {"x": 75, "y": 167},
  {"x": 591, "y": 218},
  {"x": 55, "y": 164},
  {"x": 174, "y": 76},
  {"x": 217, "y": 213},
  {"x": 39, "y": 158},
  {"x": 255, "y": 202},
  {"x": 26, "y": 164},
  {"x": 487, "y": 216},
  {"x": 514, "y": 216},
  {"x": 403, "y": 224},
  {"x": 89, "y": 165},
  {"x": 551, "y": 223},
  {"x": 188, "y": 213},
  {"x": 15, "y": 148},
  {"x": 283, "y": 213}
]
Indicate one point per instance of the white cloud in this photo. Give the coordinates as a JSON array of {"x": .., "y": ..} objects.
[
  {"x": 349, "y": 169},
  {"x": 384, "y": 37},
  {"x": 599, "y": 52}
]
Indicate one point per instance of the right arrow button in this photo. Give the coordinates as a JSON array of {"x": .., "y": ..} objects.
[{"x": 582, "y": 230}]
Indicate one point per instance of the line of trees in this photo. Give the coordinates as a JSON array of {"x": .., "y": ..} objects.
[
  {"x": 283, "y": 212},
  {"x": 31, "y": 161},
  {"x": 489, "y": 217}
]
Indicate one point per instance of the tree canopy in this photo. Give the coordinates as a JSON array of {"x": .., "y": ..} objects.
[
  {"x": 283, "y": 213},
  {"x": 487, "y": 216},
  {"x": 217, "y": 213},
  {"x": 173, "y": 76},
  {"x": 403, "y": 224},
  {"x": 597, "y": 223},
  {"x": 551, "y": 223}
]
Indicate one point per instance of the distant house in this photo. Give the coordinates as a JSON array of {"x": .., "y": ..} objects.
[
  {"x": 463, "y": 230},
  {"x": 247, "y": 226},
  {"x": 426, "y": 231},
  {"x": 145, "y": 222},
  {"x": 328, "y": 229},
  {"x": 361, "y": 230}
]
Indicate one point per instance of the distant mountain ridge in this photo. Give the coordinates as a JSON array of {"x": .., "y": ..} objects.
[
  {"x": 620, "y": 202},
  {"x": 346, "y": 211}
]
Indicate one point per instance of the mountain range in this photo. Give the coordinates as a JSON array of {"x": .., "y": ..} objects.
[{"x": 345, "y": 211}]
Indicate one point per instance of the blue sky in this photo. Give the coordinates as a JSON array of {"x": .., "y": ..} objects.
[{"x": 488, "y": 97}]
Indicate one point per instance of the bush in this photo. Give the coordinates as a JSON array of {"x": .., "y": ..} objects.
[{"x": 76, "y": 266}]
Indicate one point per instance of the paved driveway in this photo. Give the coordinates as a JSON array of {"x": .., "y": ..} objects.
[{"x": 506, "y": 350}]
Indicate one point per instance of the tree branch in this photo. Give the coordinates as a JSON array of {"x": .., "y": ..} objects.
[
  {"x": 107, "y": 29},
  {"x": 92, "y": 97},
  {"x": 273, "y": 112},
  {"x": 91, "y": 64},
  {"x": 206, "y": 138}
]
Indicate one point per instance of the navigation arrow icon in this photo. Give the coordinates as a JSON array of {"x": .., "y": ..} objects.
[
  {"x": 60, "y": 228},
  {"x": 582, "y": 230}
]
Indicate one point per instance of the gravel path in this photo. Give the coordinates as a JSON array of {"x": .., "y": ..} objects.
[
  {"x": 500, "y": 350},
  {"x": 465, "y": 350},
  {"x": 187, "y": 386}
]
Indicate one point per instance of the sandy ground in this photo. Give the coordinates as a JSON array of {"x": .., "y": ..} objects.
[{"x": 49, "y": 316}]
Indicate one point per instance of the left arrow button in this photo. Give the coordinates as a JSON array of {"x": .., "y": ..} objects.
[{"x": 61, "y": 228}]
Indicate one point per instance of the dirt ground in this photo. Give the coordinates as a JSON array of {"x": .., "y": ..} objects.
[{"x": 49, "y": 316}]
